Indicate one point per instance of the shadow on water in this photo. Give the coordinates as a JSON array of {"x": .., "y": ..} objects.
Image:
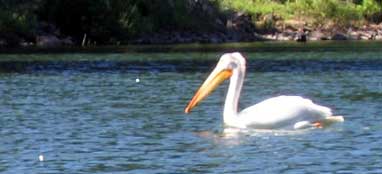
[
  {"x": 264, "y": 57},
  {"x": 269, "y": 46},
  {"x": 261, "y": 65}
]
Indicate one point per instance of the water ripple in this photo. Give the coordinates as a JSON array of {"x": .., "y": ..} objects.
[{"x": 102, "y": 121}]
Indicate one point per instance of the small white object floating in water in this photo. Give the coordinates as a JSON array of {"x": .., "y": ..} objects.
[
  {"x": 137, "y": 80},
  {"x": 41, "y": 157}
]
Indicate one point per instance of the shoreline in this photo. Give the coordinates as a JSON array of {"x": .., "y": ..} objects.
[
  {"x": 371, "y": 32},
  {"x": 42, "y": 23},
  {"x": 280, "y": 33},
  {"x": 258, "y": 46}
]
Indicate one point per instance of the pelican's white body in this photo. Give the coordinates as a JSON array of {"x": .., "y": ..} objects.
[{"x": 278, "y": 112}]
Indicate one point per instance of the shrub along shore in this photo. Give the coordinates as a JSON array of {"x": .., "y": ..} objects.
[{"x": 56, "y": 23}]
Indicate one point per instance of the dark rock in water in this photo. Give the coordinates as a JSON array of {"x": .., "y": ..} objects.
[
  {"x": 339, "y": 36},
  {"x": 301, "y": 36}
]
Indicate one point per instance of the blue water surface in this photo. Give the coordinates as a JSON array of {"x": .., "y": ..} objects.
[{"x": 92, "y": 116}]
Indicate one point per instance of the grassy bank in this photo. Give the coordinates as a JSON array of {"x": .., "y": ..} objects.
[{"x": 314, "y": 13}]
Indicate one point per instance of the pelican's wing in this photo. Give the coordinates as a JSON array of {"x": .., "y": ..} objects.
[{"x": 283, "y": 111}]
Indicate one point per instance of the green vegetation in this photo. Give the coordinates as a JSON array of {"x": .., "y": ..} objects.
[
  {"x": 109, "y": 21},
  {"x": 17, "y": 20},
  {"x": 342, "y": 13},
  {"x": 118, "y": 21},
  {"x": 103, "y": 21}
]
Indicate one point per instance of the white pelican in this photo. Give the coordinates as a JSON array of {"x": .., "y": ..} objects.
[{"x": 274, "y": 113}]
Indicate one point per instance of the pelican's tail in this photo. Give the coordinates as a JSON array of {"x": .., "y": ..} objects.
[{"x": 334, "y": 119}]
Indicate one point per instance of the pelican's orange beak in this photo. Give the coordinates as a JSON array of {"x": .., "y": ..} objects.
[{"x": 207, "y": 87}]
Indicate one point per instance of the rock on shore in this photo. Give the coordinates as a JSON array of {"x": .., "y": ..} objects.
[{"x": 369, "y": 32}]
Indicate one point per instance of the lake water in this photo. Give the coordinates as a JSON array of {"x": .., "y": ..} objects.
[{"x": 85, "y": 113}]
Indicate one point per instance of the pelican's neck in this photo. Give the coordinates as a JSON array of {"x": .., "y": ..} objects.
[{"x": 230, "y": 112}]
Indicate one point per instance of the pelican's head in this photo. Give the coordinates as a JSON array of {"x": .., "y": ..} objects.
[{"x": 227, "y": 65}]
